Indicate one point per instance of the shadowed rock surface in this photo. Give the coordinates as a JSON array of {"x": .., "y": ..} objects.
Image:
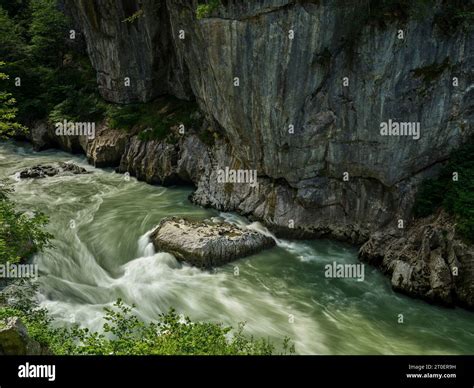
[{"x": 205, "y": 243}]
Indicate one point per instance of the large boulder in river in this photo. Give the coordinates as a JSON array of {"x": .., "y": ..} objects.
[
  {"x": 206, "y": 243},
  {"x": 43, "y": 171}
]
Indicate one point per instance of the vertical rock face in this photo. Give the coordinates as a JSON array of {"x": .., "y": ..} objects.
[
  {"x": 298, "y": 82},
  {"x": 315, "y": 81}
]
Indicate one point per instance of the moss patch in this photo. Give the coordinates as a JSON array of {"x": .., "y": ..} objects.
[{"x": 432, "y": 72}]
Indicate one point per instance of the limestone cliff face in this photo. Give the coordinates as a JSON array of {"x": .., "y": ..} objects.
[
  {"x": 135, "y": 61},
  {"x": 428, "y": 261},
  {"x": 292, "y": 117}
]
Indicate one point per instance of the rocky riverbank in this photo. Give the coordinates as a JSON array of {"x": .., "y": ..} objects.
[
  {"x": 303, "y": 111},
  {"x": 428, "y": 261}
]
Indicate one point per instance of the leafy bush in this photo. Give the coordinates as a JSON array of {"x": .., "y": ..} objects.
[
  {"x": 205, "y": 10},
  {"x": 8, "y": 111},
  {"x": 79, "y": 106},
  {"x": 20, "y": 234},
  {"x": 125, "y": 334},
  {"x": 456, "y": 197}
]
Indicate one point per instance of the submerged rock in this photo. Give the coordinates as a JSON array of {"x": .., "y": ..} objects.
[
  {"x": 206, "y": 243},
  {"x": 43, "y": 171}
]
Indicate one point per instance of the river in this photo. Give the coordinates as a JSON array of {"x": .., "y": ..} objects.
[{"x": 101, "y": 252}]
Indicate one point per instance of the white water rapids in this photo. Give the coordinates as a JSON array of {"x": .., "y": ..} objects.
[{"x": 278, "y": 292}]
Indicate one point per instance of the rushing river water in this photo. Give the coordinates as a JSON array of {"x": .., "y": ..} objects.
[{"x": 279, "y": 292}]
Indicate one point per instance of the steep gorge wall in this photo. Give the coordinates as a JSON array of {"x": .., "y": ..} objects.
[{"x": 297, "y": 82}]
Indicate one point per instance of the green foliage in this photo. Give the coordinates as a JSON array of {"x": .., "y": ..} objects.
[
  {"x": 48, "y": 32},
  {"x": 125, "y": 334},
  {"x": 79, "y": 106},
  {"x": 205, "y": 10},
  {"x": 134, "y": 17},
  {"x": 11, "y": 41},
  {"x": 456, "y": 197},
  {"x": 8, "y": 112},
  {"x": 20, "y": 234},
  {"x": 33, "y": 39}
]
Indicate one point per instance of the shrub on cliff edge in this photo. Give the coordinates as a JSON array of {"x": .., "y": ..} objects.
[{"x": 125, "y": 334}]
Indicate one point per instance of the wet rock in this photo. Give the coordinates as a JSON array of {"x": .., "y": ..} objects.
[
  {"x": 42, "y": 135},
  {"x": 43, "y": 171},
  {"x": 152, "y": 161},
  {"x": 205, "y": 243}
]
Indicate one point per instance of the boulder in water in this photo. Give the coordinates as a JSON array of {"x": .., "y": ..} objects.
[
  {"x": 43, "y": 171},
  {"x": 15, "y": 340},
  {"x": 205, "y": 243}
]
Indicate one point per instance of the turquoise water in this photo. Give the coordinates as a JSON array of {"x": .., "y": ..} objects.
[{"x": 279, "y": 292}]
